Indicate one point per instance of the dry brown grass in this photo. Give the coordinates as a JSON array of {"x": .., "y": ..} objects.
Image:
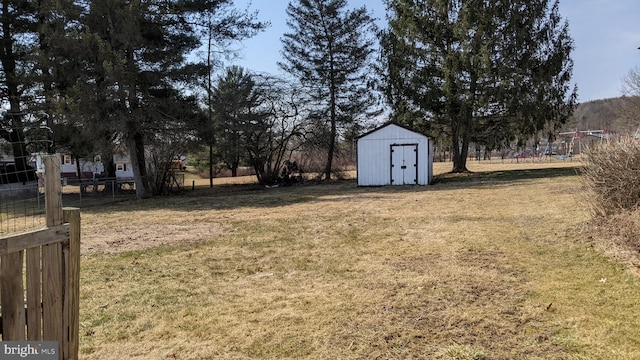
[
  {"x": 482, "y": 266},
  {"x": 612, "y": 191},
  {"x": 610, "y": 173}
]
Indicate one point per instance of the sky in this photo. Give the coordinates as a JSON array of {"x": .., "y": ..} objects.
[{"x": 606, "y": 35}]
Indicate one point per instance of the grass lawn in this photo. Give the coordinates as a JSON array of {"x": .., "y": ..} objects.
[{"x": 489, "y": 265}]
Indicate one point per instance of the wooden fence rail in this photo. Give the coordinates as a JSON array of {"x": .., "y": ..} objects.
[{"x": 40, "y": 276}]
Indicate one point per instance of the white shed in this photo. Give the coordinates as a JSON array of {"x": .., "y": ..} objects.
[{"x": 394, "y": 155}]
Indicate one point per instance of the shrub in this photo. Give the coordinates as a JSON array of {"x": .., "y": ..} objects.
[{"x": 611, "y": 176}]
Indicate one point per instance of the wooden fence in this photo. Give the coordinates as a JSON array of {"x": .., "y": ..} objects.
[{"x": 40, "y": 275}]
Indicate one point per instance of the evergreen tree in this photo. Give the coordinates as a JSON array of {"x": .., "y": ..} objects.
[
  {"x": 233, "y": 100},
  {"x": 329, "y": 49},
  {"x": 136, "y": 64},
  {"x": 483, "y": 71},
  {"x": 118, "y": 67},
  {"x": 22, "y": 25},
  {"x": 218, "y": 37}
]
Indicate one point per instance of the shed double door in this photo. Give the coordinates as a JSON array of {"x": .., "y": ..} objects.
[{"x": 404, "y": 164}]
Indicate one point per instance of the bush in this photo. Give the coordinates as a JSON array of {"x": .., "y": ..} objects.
[{"x": 611, "y": 176}]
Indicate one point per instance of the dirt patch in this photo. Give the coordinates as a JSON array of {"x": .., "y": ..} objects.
[{"x": 130, "y": 238}]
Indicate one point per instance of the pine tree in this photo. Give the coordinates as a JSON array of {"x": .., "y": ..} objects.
[
  {"x": 137, "y": 63},
  {"x": 233, "y": 99},
  {"x": 329, "y": 50},
  {"x": 482, "y": 71},
  {"x": 19, "y": 43},
  {"x": 118, "y": 67}
]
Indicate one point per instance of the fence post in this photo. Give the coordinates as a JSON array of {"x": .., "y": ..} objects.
[
  {"x": 52, "y": 276},
  {"x": 52, "y": 269},
  {"x": 34, "y": 294},
  {"x": 13, "y": 314},
  {"x": 72, "y": 287},
  {"x": 53, "y": 190}
]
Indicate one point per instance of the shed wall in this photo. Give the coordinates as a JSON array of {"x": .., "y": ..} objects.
[{"x": 374, "y": 155}]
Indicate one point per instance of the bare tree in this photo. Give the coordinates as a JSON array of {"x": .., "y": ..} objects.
[
  {"x": 631, "y": 92},
  {"x": 276, "y": 128}
]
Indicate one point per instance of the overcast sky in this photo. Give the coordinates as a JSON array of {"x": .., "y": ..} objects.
[{"x": 606, "y": 35}]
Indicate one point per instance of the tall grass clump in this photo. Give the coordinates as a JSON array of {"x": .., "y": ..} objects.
[
  {"x": 611, "y": 176},
  {"x": 611, "y": 179}
]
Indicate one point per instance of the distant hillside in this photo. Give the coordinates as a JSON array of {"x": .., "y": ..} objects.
[{"x": 614, "y": 114}]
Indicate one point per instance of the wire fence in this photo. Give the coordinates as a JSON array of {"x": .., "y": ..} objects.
[
  {"x": 22, "y": 205},
  {"x": 22, "y": 201},
  {"x": 40, "y": 267},
  {"x": 98, "y": 191},
  {"x": 21, "y": 208},
  {"x": 108, "y": 190}
]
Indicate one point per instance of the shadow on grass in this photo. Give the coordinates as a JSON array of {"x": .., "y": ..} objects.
[
  {"x": 487, "y": 178},
  {"x": 230, "y": 197}
]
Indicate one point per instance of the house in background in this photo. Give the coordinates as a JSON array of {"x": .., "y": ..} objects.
[
  {"x": 89, "y": 169},
  {"x": 394, "y": 155},
  {"x": 122, "y": 162},
  {"x": 94, "y": 169},
  {"x": 69, "y": 167}
]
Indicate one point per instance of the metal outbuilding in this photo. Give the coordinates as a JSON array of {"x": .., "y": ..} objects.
[{"x": 394, "y": 155}]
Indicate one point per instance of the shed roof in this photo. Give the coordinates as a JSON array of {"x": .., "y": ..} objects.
[{"x": 389, "y": 124}]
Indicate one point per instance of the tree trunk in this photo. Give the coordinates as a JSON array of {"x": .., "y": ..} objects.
[
  {"x": 109, "y": 171},
  {"x": 332, "y": 105},
  {"x": 460, "y": 149},
  {"x": 135, "y": 145},
  {"x": 106, "y": 154},
  {"x": 211, "y": 173},
  {"x": 261, "y": 174},
  {"x": 332, "y": 145},
  {"x": 19, "y": 152},
  {"x": 78, "y": 169},
  {"x": 234, "y": 168},
  {"x": 12, "y": 92},
  {"x": 209, "y": 105}
]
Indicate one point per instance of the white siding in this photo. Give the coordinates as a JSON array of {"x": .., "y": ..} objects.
[
  {"x": 374, "y": 155},
  {"x": 68, "y": 165},
  {"x": 124, "y": 170}
]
